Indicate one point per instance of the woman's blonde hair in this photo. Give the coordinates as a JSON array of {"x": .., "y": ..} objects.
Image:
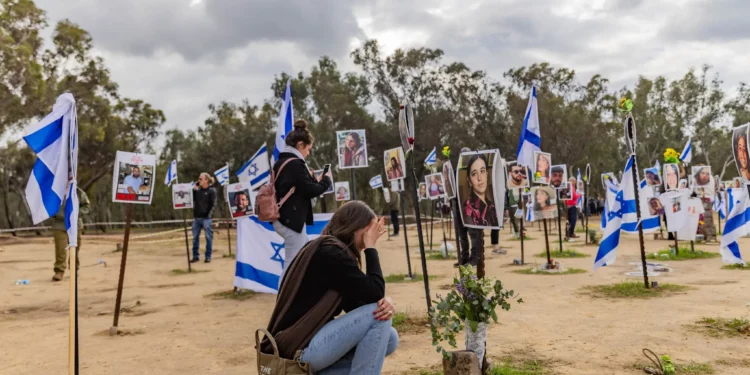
[{"x": 208, "y": 178}]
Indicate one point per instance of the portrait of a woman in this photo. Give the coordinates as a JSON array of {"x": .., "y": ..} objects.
[
  {"x": 479, "y": 209},
  {"x": 544, "y": 203},
  {"x": 352, "y": 149},
  {"x": 422, "y": 191},
  {"x": 435, "y": 182},
  {"x": 741, "y": 155},
  {"x": 543, "y": 163},
  {"x": 394, "y": 160},
  {"x": 671, "y": 177},
  {"x": 701, "y": 175}
]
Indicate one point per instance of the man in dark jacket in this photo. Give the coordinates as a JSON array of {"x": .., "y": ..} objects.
[{"x": 204, "y": 203}]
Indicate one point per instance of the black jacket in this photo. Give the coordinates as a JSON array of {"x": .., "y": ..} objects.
[
  {"x": 204, "y": 202},
  {"x": 297, "y": 211}
]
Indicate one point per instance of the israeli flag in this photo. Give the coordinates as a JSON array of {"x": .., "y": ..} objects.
[
  {"x": 607, "y": 253},
  {"x": 54, "y": 140},
  {"x": 734, "y": 195},
  {"x": 171, "y": 173},
  {"x": 432, "y": 157},
  {"x": 720, "y": 206},
  {"x": 260, "y": 253},
  {"x": 285, "y": 121},
  {"x": 376, "y": 182},
  {"x": 222, "y": 175},
  {"x": 529, "y": 212},
  {"x": 735, "y": 228},
  {"x": 687, "y": 152},
  {"x": 257, "y": 170},
  {"x": 531, "y": 137},
  {"x": 581, "y": 199}
]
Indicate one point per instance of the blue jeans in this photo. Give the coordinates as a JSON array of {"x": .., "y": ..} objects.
[
  {"x": 572, "y": 218},
  {"x": 354, "y": 343},
  {"x": 199, "y": 223}
]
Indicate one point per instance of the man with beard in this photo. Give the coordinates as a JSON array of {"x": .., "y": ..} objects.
[
  {"x": 517, "y": 177},
  {"x": 134, "y": 181},
  {"x": 556, "y": 178}
]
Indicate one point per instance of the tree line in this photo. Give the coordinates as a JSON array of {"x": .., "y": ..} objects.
[{"x": 454, "y": 105}]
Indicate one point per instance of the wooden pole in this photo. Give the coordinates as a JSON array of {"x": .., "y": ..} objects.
[
  {"x": 354, "y": 184},
  {"x": 432, "y": 224},
  {"x": 546, "y": 242},
  {"x": 442, "y": 226},
  {"x": 559, "y": 226},
  {"x": 522, "y": 255},
  {"x": 187, "y": 247},
  {"x": 128, "y": 218},
  {"x": 415, "y": 197},
  {"x": 586, "y": 211},
  {"x": 406, "y": 236},
  {"x": 630, "y": 136},
  {"x": 456, "y": 218},
  {"x": 73, "y": 365}
]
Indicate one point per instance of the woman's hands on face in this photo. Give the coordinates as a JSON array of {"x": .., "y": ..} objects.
[
  {"x": 385, "y": 309},
  {"x": 374, "y": 230}
]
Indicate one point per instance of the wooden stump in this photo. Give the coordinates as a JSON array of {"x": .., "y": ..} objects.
[{"x": 463, "y": 362}]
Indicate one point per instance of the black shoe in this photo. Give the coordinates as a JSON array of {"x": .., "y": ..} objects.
[
  {"x": 474, "y": 262},
  {"x": 208, "y": 260},
  {"x": 195, "y": 260}
]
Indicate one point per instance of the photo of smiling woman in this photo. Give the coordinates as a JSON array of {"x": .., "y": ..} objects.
[
  {"x": 741, "y": 155},
  {"x": 542, "y": 165},
  {"x": 475, "y": 189},
  {"x": 671, "y": 177},
  {"x": 545, "y": 202}
]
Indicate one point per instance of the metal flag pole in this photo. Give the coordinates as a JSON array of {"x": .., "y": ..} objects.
[
  {"x": 406, "y": 236},
  {"x": 128, "y": 219},
  {"x": 630, "y": 138},
  {"x": 354, "y": 184},
  {"x": 73, "y": 362},
  {"x": 559, "y": 226},
  {"x": 546, "y": 242},
  {"x": 521, "y": 205},
  {"x": 432, "y": 224}
]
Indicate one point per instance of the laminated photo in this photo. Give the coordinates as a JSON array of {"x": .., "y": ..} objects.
[
  {"x": 241, "y": 200},
  {"x": 342, "y": 191},
  {"x": 477, "y": 179},
  {"x": 133, "y": 178},
  {"x": 351, "y": 149},
  {"x": 394, "y": 162},
  {"x": 182, "y": 196}
]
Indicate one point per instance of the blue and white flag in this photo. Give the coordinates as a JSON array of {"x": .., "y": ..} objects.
[
  {"x": 171, "y": 173},
  {"x": 720, "y": 206},
  {"x": 658, "y": 166},
  {"x": 531, "y": 136},
  {"x": 260, "y": 253},
  {"x": 285, "y": 121},
  {"x": 581, "y": 198},
  {"x": 54, "y": 140},
  {"x": 432, "y": 157},
  {"x": 687, "y": 152},
  {"x": 376, "y": 182},
  {"x": 222, "y": 175},
  {"x": 529, "y": 212},
  {"x": 734, "y": 195},
  {"x": 607, "y": 253},
  {"x": 735, "y": 228},
  {"x": 257, "y": 170}
]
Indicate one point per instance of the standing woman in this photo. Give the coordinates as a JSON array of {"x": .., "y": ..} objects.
[{"x": 296, "y": 212}]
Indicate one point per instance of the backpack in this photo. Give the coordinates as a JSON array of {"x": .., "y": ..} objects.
[{"x": 266, "y": 206}]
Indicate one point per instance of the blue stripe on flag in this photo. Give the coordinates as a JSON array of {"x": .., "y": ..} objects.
[
  {"x": 260, "y": 178},
  {"x": 628, "y": 207},
  {"x": 608, "y": 245},
  {"x": 246, "y": 271},
  {"x": 45, "y": 136},
  {"x": 45, "y": 179},
  {"x": 734, "y": 247},
  {"x": 69, "y": 206},
  {"x": 526, "y": 135}
]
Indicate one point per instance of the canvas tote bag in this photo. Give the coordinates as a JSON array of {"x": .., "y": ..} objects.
[{"x": 273, "y": 364}]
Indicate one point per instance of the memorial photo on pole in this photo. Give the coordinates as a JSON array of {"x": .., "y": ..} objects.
[
  {"x": 544, "y": 202},
  {"x": 394, "y": 162},
  {"x": 655, "y": 207},
  {"x": 476, "y": 194},
  {"x": 564, "y": 192},
  {"x": 740, "y": 150},
  {"x": 241, "y": 200},
  {"x": 133, "y": 178},
  {"x": 609, "y": 176},
  {"x": 652, "y": 176},
  {"x": 352, "y": 149},
  {"x": 422, "y": 192},
  {"x": 671, "y": 177},
  {"x": 559, "y": 175},
  {"x": 182, "y": 196},
  {"x": 518, "y": 176},
  {"x": 542, "y": 167},
  {"x": 435, "y": 186},
  {"x": 449, "y": 179},
  {"x": 342, "y": 191}
]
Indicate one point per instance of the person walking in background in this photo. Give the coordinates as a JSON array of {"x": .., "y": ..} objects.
[
  {"x": 61, "y": 234},
  {"x": 204, "y": 203},
  {"x": 572, "y": 209},
  {"x": 394, "y": 206},
  {"x": 292, "y": 175}
]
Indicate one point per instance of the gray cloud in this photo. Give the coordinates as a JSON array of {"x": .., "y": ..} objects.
[{"x": 715, "y": 21}]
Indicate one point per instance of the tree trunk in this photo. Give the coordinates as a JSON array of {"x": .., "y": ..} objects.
[
  {"x": 6, "y": 205},
  {"x": 463, "y": 362}
]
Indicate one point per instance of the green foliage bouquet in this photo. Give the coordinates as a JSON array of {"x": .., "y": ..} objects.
[
  {"x": 671, "y": 156},
  {"x": 472, "y": 300}
]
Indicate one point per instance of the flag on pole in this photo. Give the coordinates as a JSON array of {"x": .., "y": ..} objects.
[
  {"x": 607, "y": 253},
  {"x": 260, "y": 253},
  {"x": 257, "y": 170},
  {"x": 285, "y": 121},
  {"x": 54, "y": 140},
  {"x": 581, "y": 198},
  {"x": 171, "y": 173},
  {"x": 432, "y": 157},
  {"x": 735, "y": 228},
  {"x": 720, "y": 206},
  {"x": 687, "y": 152},
  {"x": 529, "y": 212},
  {"x": 222, "y": 175},
  {"x": 376, "y": 182},
  {"x": 531, "y": 137}
]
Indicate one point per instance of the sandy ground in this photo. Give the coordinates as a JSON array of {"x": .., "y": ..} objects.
[{"x": 177, "y": 329}]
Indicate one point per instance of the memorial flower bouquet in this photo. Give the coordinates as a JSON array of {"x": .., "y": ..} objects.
[
  {"x": 671, "y": 156},
  {"x": 471, "y": 303}
]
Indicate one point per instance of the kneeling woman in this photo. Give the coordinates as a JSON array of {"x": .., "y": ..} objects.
[{"x": 324, "y": 279}]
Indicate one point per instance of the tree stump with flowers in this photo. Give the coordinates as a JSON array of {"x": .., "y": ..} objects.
[{"x": 470, "y": 306}]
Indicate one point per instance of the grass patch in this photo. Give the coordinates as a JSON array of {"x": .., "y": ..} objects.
[
  {"x": 629, "y": 289},
  {"x": 562, "y": 254},
  {"x": 684, "y": 254},
  {"x": 183, "y": 271},
  {"x": 735, "y": 267},
  {"x": 532, "y": 271},
  {"x": 731, "y": 362},
  {"x": 404, "y": 323},
  {"x": 525, "y": 238},
  {"x": 691, "y": 368},
  {"x": 401, "y": 278},
  {"x": 239, "y": 295},
  {"x": 502, "y": 366},
  {"x": 436, "y": 255},
  {"x": 720, "y": 327},
  {"x": 233, "y": 256}
]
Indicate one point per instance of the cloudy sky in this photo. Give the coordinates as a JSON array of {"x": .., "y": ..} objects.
[{"x": 181, "y": 55}]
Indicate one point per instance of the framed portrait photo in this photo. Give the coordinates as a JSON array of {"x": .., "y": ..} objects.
[
  {"x": 182, "y": 196},
  {"x": 449, "y": 178},
  {"x": 476, "y": 179},
  {"x": 559, "y": 175},
  {"x": 542, "y": 168},
  {"x": 241, "y": 200},
  {"x": 435, "y": 185},
  {"x": 544, "y": 202},
  {"x": 518, "y": 176},
  {"x": 394, "y": 162},
  {"x": 740, "y": 151},
  {"x": 351, "y": 149},
  {"x": 342, "y": 191},
  {"x": 133, "y": 178}
]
